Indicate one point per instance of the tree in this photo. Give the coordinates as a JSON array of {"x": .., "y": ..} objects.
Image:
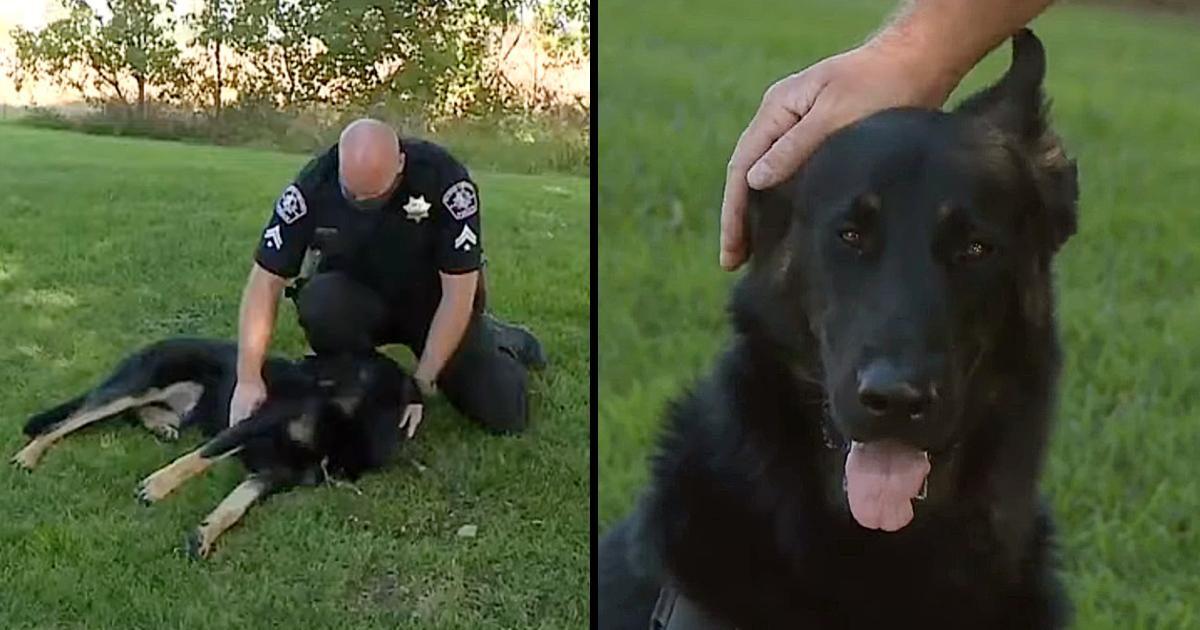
[
  {"x": 138, "y": 40},
  {"x": 353, "y": 53},
  {"x": 212, "y": 25},
  {"x": 424, "y": 56},
  {"x": 566, "y": 27},
  {"x": 82, "y": 51},
  {"x": 274, "y": 41},
  {"x": 64, "y": 53}
]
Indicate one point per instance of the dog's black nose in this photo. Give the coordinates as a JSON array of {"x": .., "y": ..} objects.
[{"x": 887, "y": 391}]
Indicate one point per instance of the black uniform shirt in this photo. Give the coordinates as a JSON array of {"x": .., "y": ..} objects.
[{"x": 430, "y": 224}]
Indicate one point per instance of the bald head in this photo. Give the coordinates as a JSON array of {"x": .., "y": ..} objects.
[{"x": 369, "y": 158}]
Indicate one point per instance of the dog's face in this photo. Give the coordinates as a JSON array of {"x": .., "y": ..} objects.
[
  {"x": 349, "y": 381},
  {"x": 912, "y": 243},
  {"x": 904, "y": 247}
]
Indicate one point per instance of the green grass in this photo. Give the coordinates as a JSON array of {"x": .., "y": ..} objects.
[
  {"x": 528, "y": 143},
  {"x": 109, "y": 243},
  {"x": 679, "y": 80}
]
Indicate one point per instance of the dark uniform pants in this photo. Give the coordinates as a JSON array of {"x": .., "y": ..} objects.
[{"x": 483, "y": 379}]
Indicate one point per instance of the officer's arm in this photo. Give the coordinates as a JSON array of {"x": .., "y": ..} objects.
[
  {"x": 260, "y": 302},
  {"x": 280, "y": 251},
  {"x": 449, "y": 323}
]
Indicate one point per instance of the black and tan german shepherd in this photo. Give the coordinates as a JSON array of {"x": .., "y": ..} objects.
[
  {"x": 867, "y": 452},
  {"x": 324, "y": 417}
]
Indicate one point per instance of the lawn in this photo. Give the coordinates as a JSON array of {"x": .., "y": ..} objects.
[
  {"x": 109, "y": 243},
  {"x": 677, "y": 83}
]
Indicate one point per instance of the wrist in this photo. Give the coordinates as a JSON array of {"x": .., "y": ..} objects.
[
  {"x": 249, "y": 377},
  {"x": 934, "y": 65},
  {"x": 425, "y": 384}
]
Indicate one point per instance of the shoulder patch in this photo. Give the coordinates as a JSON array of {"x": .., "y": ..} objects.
[
  {"x": 291, "y": 205},
  {"x": 461, "y": 200}
]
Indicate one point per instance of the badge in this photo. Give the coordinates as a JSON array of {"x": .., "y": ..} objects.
[
  {"x": 466, "y": 239},
  {"x": 417, "y": 208},
  {"x": 291, "y": 205},
  {"x": 274, "y": 238},
  {"x": 461, "y": 200}
]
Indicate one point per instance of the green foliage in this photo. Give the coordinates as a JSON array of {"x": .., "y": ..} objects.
[
  {"x": 212, "y": 25},
  {"x": 295, "y": 54},
  {"x": 63, "y": 46},
  {"x": 282, "y": 73},
  {"x": 566, "y": 25},
  {"x": 81, "y": 50},
  {"x": 512, "y": 142},
  {"x": 340, "y": 54}
]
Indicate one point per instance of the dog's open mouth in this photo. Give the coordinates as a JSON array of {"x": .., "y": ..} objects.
[{"x": 882, "y": 479}]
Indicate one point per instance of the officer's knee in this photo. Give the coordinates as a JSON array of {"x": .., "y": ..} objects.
[
  {"x": 511, "y": 419},
  {"x": 493, "y": 394}
]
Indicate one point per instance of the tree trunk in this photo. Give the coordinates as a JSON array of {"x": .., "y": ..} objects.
[
  {"x": 217, "y": 96},
  {"x": 141, "y": 83}
]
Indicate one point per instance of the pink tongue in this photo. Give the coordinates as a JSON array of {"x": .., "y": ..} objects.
[{"x": 881, "y": 479}]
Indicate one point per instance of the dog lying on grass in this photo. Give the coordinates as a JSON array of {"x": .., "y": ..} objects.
[{"x": 323, "y": 418}]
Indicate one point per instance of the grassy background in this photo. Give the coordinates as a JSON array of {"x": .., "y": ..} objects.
[
  {"x": 677, "y": 83},
  {"x": 108, "y": 243},
  {"x": 531, "y": 143}
]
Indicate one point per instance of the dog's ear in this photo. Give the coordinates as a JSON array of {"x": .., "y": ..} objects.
[{"x": 1017, "y": 107}]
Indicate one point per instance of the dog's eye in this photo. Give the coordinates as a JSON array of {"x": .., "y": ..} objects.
[
  {"x": 975, "y": 250},
  {"x": 850, "y": 237}
]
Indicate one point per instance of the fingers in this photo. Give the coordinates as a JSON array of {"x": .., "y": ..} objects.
[
  {"x": 733, "y": 208},
  {"x": 240, "y": 410},
  {"x": 414, "y": 420},
  {"x": 236, "y": 414},
  {"x": 784, "y": 104},
  {"x": 411, "y": 419},
  {"x": 791, "y": 109},
  {"x": 792, "y": 149}
]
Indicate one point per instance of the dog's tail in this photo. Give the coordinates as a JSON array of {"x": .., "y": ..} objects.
[
  {"x": 157, "y": 365},
  {"x": 41, "y": 422}
]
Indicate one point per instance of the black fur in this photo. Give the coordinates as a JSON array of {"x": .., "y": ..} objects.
[
  {"x": 323, "y": 415},
  {"x": 866, "y": 255}
]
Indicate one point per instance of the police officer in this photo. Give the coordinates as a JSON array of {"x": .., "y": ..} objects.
[{"x": 397, "y": 229}]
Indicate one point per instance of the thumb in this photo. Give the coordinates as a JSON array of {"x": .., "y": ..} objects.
[{"x": 791, "y": 150}]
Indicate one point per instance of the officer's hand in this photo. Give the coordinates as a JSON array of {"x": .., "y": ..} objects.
[
  {"x": 412, "y": 418},
  {"x": 800, "y": 111},
  {"x": 247, "y": 396}
]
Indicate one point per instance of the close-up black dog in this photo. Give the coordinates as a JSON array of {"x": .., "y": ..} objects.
[
  {"x": 324, "y": 417},
  {"x": 867, "y": 451}
]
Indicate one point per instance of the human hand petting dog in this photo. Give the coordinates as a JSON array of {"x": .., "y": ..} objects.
[
  {"x": 247, "y": 396},
  {"x": 916, "y": 60}
]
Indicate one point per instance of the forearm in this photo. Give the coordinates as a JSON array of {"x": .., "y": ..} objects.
[
  {"x": 256, "y": 322},
  {"x": 445, "y": 333},
  {"x": 948, "y": 37}
]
